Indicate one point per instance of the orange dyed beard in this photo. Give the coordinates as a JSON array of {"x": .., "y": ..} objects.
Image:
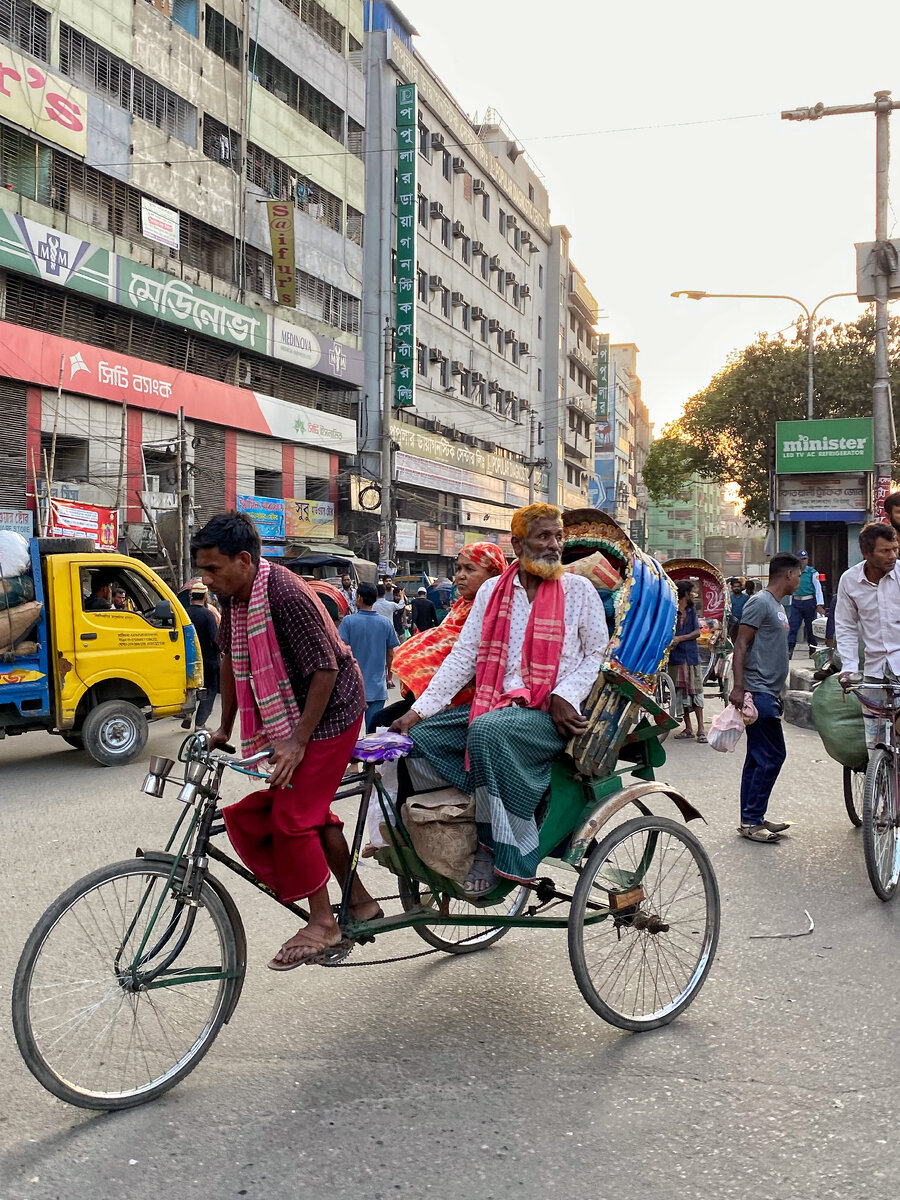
[{"x": 542, "y": 568}]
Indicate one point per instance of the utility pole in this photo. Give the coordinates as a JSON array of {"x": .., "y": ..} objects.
[
  {"x": 387, "y": 499},
  {"x": 881, "y": 391},
  {"x": 531, "y": 464},
  {"x": 184, "y": 504}
]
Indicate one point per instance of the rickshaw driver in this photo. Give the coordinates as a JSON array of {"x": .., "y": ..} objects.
[{"x": 534, "y": 641}]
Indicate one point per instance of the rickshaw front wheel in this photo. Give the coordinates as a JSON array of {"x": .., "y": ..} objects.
[{"x": 644, "y": 923}]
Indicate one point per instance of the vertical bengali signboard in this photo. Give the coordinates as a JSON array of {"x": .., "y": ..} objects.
[
  {"x": 602, "y": 416},
  {"x": 405, "y": 316},
  {"x": 281, "y": 235}
]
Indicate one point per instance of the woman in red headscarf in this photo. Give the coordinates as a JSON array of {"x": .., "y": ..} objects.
[{"x": 418, "y": 659}]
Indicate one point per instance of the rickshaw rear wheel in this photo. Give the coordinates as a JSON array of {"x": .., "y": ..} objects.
[
  {"x": 461, "y": 939},
  {"x": 854, "y": 794},
  {"x": 652, "y": 883}
]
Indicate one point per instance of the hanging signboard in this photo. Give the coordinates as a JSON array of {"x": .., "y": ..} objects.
[
  {"x": 802, "y": 447},
  {"x": 68, "y": 518},
  {"x": 281, "y": 235},
  {"x": 266, "y": 514},
  {"x": 406, "y": 536},
  {"x": 823, "y": 497},
  {"x": 452, "y": 541},
  {"x": 405, "y": 315},
  {"x": 308, "y": 519},
  {"x": 429, "y": 538},
  {"x": 160, "y": 224}
]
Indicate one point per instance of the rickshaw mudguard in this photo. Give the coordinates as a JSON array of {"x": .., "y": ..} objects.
[
  {"x": 606, "y": 808},
  {"x": 237, "y": 925}
]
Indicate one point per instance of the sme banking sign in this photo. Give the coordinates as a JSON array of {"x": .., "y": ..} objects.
[{"x": 806, "y": 447}]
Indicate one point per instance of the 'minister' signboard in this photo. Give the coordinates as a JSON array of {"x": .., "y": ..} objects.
[{"x": 807, "y": 447}]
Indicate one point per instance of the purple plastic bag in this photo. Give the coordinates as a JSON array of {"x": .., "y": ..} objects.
[{"x": 382, "y": 747}]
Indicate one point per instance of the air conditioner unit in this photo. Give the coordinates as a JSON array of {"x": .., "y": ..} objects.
[
  {"x": 477, "y": 313},
  {"x": 432, "y": 426},
  {"x": 459, "y": 230},
  {"x": 459, "y": 166},
  {"x": 456, "y": 367},
  {"x": 494, "y": 325},
  {"x": 525, "y": 290},
  {"x": 437, "y": 139},
  {"x": 494, "y": 386},
  {"x": 533, "y": 248},
  {"x": 436, "y": 209},
  {"x": 478, "y": 247},
  {"x": 510, "y": 278},
  {"x": 435, "y": 282},
  {"x": 523, "y": 348},
  {"x": 489, "y": 447},
  {"x": 478, "y": 186},
  {"x": 525, "y": 237},
  {"x": 469, "y": 439},
  {"x": 510, "y": 221},
  {"x": 495, "y": 263},
  {"x": 508, "y": 397},
  {"x": 458, "y": 299},
  {"x": 436, "y": 355},
  {"x": 509, "y": 336}
]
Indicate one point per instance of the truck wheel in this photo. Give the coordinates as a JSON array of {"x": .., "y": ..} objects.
[
  {"x": 114, "y": 733},
  {"x": 72, "y": 545}
]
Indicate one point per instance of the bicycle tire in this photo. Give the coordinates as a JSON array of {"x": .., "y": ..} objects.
[
  {"x": 881, "y": 834},
  {"x": 461, "y": 939},
  {"x": 41, "y": 1008},
  {"x": 665, "y": 952},
  {"x": 664, "y": 693},
  {"x": 854, "y": 795}
]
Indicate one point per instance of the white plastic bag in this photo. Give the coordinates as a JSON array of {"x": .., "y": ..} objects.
[
  {"x": 14, "y": 556},
  {"x": 725, "y": 731}
]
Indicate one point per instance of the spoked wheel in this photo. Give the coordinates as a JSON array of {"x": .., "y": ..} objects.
[
  {"x": 881, "y": 826},
  {"x": 461, "y": 939},
  {"x": 652, "y": 885},
  {"x": 95, "y": 1024},
  {"x": 665, "y": 698},
  {"x": 854, "y": 794}
]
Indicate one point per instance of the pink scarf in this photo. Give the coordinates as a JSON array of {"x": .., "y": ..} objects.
[
  {"x": 541, "y": 649},
  {"x": 265, "y": 698}
]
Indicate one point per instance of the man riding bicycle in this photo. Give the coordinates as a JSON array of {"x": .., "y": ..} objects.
[{"x": 868, "y": 609}]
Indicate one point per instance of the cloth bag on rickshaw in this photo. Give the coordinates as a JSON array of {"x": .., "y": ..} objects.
[
  {"x": 441, "y": 827},
  {"x": 837, "y": 716}
]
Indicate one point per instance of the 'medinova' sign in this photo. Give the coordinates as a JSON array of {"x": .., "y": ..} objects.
[{"x": 802, "y": 447}]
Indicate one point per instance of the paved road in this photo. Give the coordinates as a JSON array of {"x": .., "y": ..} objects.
[{"x": 488, "y": 1077}]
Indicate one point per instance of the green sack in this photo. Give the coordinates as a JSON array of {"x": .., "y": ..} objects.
[
  {"x": 838, "y": 718},
  {"x": 15, "y": 590}
]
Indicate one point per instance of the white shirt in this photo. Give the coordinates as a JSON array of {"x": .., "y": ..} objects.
[
  {"x": 387, "y": 608},
  {"x": 872, "y": 611},
  {"x": 584, "y": 641}
]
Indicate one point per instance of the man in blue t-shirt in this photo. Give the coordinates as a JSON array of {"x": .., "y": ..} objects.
[
  {"x": 805, "y": 603},
  {"x": 372, "y": 639}
]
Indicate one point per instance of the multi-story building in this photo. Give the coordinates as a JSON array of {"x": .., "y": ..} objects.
[
  {"x": 679, "y": 526},
  {"x": 138, "y": 143},
  {"x": 622, "y": 442},
  {"x": 475, "y": 261}
]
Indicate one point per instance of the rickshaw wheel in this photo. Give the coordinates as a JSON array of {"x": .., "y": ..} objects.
[
  {"x": 461, "y": 939},
  {"x": 854, "y": 794},
  {"x": 646, "y": 959}
]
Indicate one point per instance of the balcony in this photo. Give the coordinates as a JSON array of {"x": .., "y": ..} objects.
[
  {"x": 581, "y": 402},
  {"x": 584, "y": 358},
  {"x": 583, "y": 299},
  {"x": 577, "y": 446}
]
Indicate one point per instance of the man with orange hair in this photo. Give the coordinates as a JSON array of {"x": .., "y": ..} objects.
[{"x": 533, "y": 641}]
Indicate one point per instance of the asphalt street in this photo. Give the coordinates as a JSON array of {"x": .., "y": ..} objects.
[{"x": 487, "y": 1076}]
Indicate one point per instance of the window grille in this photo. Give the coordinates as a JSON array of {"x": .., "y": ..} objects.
[
  {"x": 223, "y": 37},
  {"x": 319, "y": 299},
  {"x": 26, "y": 27},
  {"x": 220, "y": 143},
  {"x": 283, "y": 182},
  {"x": 281, "y": 81},
  {"x": 24, "y": 165},
  {"x": 93, "y": 67},
  {"x": 355, "y": 223},
  {"x": 355, "y": 133},
  {"x": 319, "y": 20}
]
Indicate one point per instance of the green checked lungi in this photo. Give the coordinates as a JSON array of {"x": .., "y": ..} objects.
[{"x": 511, "y": 751}]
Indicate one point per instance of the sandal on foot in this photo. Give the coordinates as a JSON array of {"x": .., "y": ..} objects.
[
  {"x": 701, "y": 737},
  {"x": 777, "y": 826},
  {"x": 685, "y": 733},
  {"x": 311, "y": 954},
  {"x": 757, "y": 833},
  {"x": 480, "y": 878}
]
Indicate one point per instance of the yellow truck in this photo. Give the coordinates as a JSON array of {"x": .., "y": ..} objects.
[{"x": 95, "y": 675}]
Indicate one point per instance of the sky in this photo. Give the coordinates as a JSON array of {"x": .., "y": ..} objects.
[{"x": 657, "y": 128}]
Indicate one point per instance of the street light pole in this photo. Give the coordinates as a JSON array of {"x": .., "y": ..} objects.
[{"x": 882, "y": 107}]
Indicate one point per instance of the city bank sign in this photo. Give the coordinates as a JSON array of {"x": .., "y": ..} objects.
[{"x": 807, "y": 447}]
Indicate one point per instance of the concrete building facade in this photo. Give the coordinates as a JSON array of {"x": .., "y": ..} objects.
[
  {"x": 679, "y": 526},
  {"x": 136, "y": 263}
]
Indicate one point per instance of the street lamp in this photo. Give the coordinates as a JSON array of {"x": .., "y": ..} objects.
[{"x": 810, "y": 318}]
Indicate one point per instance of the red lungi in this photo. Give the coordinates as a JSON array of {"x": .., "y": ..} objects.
[{"x": 276, "y": 830}]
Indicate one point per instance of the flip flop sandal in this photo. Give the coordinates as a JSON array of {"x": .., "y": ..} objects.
[
  {"x": 481, "y": 875},
  {"x": 683, "y": 736},
  {"x": 778, "y": 826},
  {"x": 757, "y": 833},
  {"x": 313, "y": 956},
  {"x": 702, "y": 738}
]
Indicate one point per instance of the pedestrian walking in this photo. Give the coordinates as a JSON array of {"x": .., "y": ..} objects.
[
  {"x": 684, "y": 659},
  {"x": 348, "y": 591},
  {"x": 760, "y": 666},
  {"x": 868, "y": 608},
  {"x": 738, "y": 599},
  {"x": 373, "y": 640},
  {"x": 806, "y": 602},
  {"x": 424, "y": 614},
  {"x": 207, "y": 629}
]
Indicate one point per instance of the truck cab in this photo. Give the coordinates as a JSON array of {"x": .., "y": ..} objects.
[{"x": 97, "y": 675}]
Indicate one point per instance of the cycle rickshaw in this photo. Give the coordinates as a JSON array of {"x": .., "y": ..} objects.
[
  {"x": 128, "y": 977},
  {"x": 715, "y": 609}
]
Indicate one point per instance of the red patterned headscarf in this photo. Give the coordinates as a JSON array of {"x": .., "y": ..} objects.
[{"x": 418, "y": 659}]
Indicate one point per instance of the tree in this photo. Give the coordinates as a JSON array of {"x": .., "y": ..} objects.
[{"x": 727, "y": 431}]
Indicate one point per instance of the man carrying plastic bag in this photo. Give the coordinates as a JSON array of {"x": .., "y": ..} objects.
[
  {"x": 760, "y": 667},
  {"x": 727, "y": 727}
]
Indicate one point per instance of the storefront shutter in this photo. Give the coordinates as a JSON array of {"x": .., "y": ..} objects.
[
  {"x": 209, "y": 471},
  {"x": 13, "y": 458}
]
